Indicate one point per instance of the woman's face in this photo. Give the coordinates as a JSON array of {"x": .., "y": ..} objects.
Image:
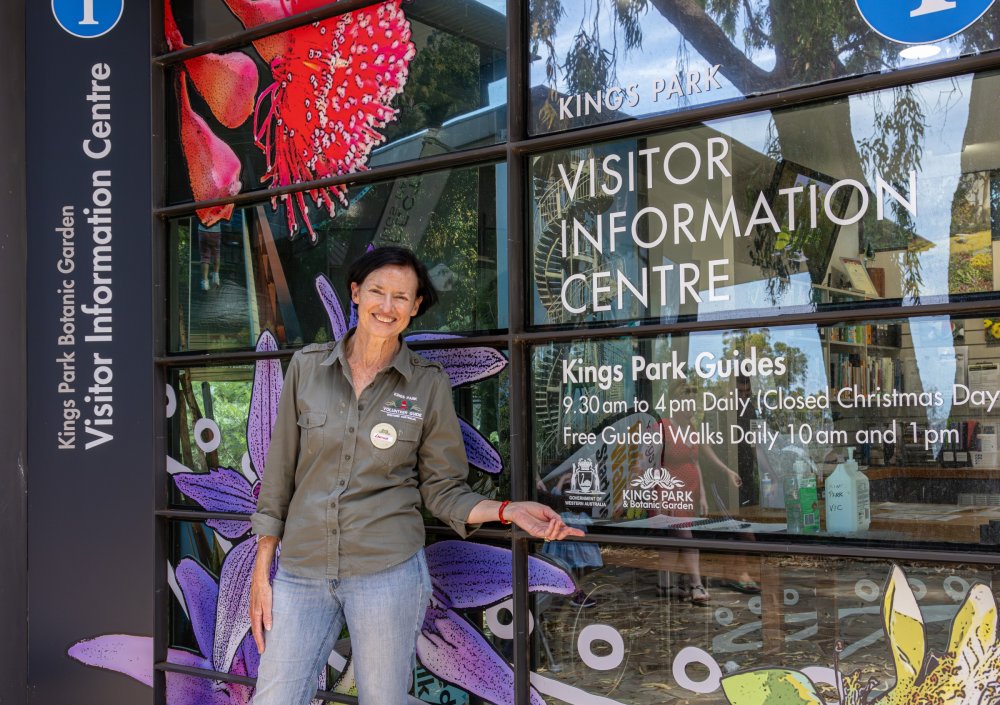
[{"x": 386, "y": 300}]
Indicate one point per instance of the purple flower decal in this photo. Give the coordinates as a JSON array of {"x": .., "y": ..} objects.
[
  {"x": 467, "y": 365},
  {"x": 468, "y": 575},
  {"x": 335, "y": 314},
  {"x": 232, "y": 623},
  {"x": 464, "y": 575},
  {"x": 221, "y": 490},
  {"x": 133, "y": 655},
  {"x": 480, "y": 452}
]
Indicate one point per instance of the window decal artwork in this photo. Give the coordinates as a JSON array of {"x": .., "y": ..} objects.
[
  {"x": 333, "y": 81},
  {"x": 219, "y": 612},
  {"x": 962, "y": 668},
  {"x": 967, "y": 672}
]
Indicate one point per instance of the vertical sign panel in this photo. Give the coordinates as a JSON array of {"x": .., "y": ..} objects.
[{"x": 90, "y": 445}]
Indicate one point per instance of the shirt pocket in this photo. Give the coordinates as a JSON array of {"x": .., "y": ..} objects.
[
  {"x": 312, "y": 428},
  {"x": 404, "y": 450}
]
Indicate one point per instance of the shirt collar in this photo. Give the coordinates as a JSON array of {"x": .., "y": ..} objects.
[{"x": 402, "y": 361}]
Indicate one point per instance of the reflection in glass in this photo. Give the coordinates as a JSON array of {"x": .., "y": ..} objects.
[
  {"x": 257, "y": 278},
  {"x": 766, "y": 213},
  {"x": 813, "y": 625},
  {"x": 607, "y": 61},
  {"x": 711, "y": 431},
  {"x": 331, "y": 98},
  {"x": 215, "y": 400}
]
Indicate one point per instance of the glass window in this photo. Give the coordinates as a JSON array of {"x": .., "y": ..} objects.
[
  {"x": 762, "y": 629},
  {"x": 336, "y": 97},
  {"x": 606, "y": 61},
  {"x": 882, "y": 431},
  {"x": 886, "y": 196},
  {"x": 238, "y": 277}
]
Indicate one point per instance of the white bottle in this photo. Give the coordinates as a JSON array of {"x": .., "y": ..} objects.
[
  {"x": 862, "y": 493},
  {"x": 841, "y": 497}
]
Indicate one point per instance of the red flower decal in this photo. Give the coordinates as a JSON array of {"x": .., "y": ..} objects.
[{"x": 333, "y": 84}]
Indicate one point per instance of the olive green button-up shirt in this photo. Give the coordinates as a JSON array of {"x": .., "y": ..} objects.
[{"x": 345, "y": 476}]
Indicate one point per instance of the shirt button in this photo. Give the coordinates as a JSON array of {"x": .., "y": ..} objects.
[
  {"x": 341, "y": 483},
  {"x": 347, "y": 457},
  {"x": 350, "y": 429}
]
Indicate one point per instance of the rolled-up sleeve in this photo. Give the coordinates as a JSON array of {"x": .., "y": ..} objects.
[
  {"x": 443, "y": 466},
  {"x": 278, "y": 483}
]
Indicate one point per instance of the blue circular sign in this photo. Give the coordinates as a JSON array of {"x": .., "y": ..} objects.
[
  {"x": 921, "y": 21},
  {"x": 87, "y": 18}
]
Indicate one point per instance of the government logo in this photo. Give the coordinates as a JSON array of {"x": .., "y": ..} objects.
[{"x": 585, "y": 479}]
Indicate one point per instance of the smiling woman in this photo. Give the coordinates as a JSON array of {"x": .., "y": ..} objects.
[{"x": 375, "y": 422}]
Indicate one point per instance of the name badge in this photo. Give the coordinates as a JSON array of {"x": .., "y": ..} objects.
[{"x": 383, "y": 436}]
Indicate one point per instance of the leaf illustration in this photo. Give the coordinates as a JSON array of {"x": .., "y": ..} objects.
[{"x": 770, "y": 686}]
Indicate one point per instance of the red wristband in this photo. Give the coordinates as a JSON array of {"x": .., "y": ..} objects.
[{"x": 503, "y": 505}]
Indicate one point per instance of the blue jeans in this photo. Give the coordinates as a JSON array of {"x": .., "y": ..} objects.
[{"x": 383, "y": 611}]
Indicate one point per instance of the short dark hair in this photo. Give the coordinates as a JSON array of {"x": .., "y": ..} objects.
[{"x": 392, "y": 255}]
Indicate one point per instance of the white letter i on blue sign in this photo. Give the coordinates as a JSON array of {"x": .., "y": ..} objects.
[
  {"x": 928, "y": 7},
  {"x": 88, "y": 12}
]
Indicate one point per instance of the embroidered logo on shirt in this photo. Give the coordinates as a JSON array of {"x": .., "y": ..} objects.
[{"x": 404, "y": 407}]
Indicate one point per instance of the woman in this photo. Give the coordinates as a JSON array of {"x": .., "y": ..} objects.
[
  {"x": 365, "y": 431},
  {"x": 683, "y": 457}
]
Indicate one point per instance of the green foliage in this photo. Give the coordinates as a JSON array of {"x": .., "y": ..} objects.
[
  {"x": 453, "y": 239},
  {"x": 443, "y": 82}
]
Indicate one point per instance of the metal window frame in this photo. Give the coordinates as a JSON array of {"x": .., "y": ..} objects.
[{"x": 520, "y": 336}]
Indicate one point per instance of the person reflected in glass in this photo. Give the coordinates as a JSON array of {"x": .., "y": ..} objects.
[
  {"x": 366, "y": 433},
  {"x": 580, "y": 557},
  {"x": 681, "y": 477},
  {"x": 210, "y": 253}
]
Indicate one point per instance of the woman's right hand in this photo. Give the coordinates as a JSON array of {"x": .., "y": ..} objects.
[
  {"x": 260, "y": 608},
  {"x": 260, "y": 589}
]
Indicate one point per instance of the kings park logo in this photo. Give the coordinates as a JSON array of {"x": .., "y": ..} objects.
[
  {"x": 656, "y": 488},
  {"x": 921, "y": 21}
]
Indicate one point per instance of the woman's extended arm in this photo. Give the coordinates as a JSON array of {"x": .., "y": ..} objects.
[{"x": 537, "y": 519}]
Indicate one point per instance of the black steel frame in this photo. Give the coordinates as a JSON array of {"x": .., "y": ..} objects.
[{"x": 519, "y": 337}]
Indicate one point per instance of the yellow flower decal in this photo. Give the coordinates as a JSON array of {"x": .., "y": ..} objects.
[
  {"x": 770, "y": 686},
  {"x": 967, "y": 673}
]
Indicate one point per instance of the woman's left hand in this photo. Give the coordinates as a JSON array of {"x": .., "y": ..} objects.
[{"x": 539, "y": 520}]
